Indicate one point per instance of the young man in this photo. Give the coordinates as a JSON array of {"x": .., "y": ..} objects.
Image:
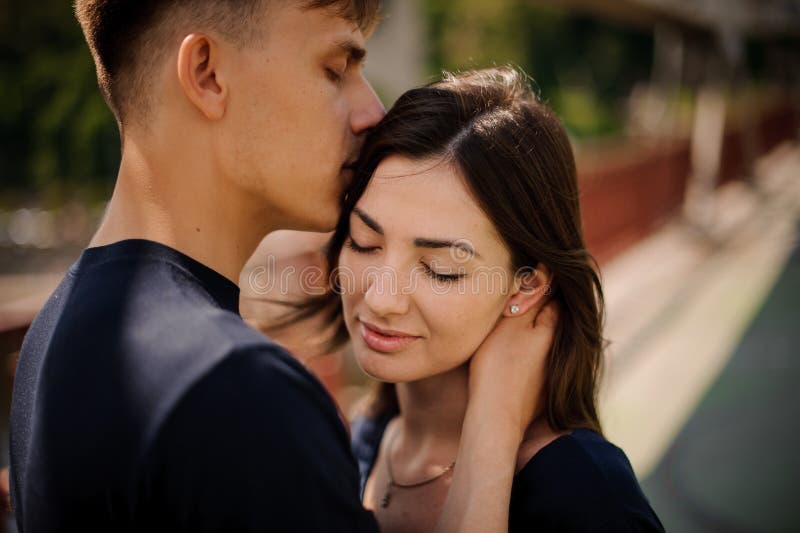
[{"x": 142, "y": 400}]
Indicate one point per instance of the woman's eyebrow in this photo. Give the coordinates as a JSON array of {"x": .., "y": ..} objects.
[
  {"x": 420, "y": 242},
  {"x": 368, "y": 220}
]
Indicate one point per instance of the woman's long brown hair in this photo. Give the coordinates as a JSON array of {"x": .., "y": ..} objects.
[{"x": 516, "y": 160}]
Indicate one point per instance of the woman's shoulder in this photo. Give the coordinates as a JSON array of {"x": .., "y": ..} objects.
[
  {"x": 581, "y": 456},
  {"x": 366, "y": 433},
  {"x": 581, "y": 479}
]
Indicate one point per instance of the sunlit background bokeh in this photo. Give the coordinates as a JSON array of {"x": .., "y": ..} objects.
[{"x": 685, "y": 120}]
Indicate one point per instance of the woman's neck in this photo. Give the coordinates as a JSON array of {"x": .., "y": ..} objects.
[{"x": 432, "y": 410}]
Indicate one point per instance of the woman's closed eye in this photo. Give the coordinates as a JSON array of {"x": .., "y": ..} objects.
[
  {"x": 438, "y": 276},
  {"x": 429, "y": 271},
  {"x": 353, "y": 245}
]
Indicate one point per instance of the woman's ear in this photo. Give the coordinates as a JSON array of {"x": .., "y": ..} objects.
[
  {"x": 200, "y": 77},
  {"x": 531, "y": 287}
]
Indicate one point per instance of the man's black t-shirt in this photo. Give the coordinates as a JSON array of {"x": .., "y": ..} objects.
[{"x": 143, "y": 402}]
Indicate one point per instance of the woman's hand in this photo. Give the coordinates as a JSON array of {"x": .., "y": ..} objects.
[{"x": 507, "y": 372}]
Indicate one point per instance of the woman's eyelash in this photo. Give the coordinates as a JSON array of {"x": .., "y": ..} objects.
[
  {"x": 353, "y": 245},
  {"x": 441, "y": 277}
]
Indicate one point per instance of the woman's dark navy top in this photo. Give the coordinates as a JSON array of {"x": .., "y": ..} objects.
[{"x": 578, "y": 482}]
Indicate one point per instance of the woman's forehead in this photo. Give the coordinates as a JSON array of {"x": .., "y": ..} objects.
[{"x": 427, "y": 198}]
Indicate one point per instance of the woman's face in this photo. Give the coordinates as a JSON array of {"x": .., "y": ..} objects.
[{"x": 424, "y": 275}]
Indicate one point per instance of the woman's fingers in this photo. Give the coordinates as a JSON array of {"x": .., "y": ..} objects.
[
  {"x": 507, "y": 371},
  {"x": 547, "y": 316}
]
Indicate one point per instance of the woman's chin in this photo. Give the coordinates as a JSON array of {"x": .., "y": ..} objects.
[
  {"x": 381, "y": 367},
  {"x": 374, "y": 368},
  {"x": 401, "y": 367}
]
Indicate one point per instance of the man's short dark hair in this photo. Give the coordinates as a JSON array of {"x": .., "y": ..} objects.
[{"x": 127, "y": 37}]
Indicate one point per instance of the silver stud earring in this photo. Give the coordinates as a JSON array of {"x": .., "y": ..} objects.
[{"x": 514, "y": 309}]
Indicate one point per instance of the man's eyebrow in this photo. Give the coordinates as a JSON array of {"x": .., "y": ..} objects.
[
  {"x": 355, "y": 52},
  {"x": 368, "y": 220},
  {"x": 420, "y": 242}
]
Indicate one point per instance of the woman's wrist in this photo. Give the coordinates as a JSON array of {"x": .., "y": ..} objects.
[
  {"x": 489, "y": 443},
  {"x": 478, "y": 498},
  {"x": 498, "y": 416}
]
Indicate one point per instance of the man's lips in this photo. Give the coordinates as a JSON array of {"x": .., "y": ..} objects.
[
  {"x": 347, "y": 170},
  {"x": 385, "y": 340},
  {"x": 351, "y": 161}
]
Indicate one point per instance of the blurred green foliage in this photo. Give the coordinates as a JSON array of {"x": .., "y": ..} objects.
[
  {"x": 584, "y": 67},
  {"x": 56, "y": 133}
]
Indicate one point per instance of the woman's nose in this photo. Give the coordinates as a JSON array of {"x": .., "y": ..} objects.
[{"x": 385, "y": 295}]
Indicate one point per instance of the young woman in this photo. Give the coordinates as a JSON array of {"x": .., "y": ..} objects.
[{"x": 464, "y": 210}]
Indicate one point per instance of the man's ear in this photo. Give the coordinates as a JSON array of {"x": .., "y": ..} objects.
[
  {"x": 531, "y": 287},
  {"x": 200, "y": 77}
]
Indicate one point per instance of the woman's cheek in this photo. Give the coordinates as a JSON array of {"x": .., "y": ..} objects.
[
  {"x": 456, "y": 322},
  {"x": 349, "y": 272},
  {"x": 347, "y": 275}
]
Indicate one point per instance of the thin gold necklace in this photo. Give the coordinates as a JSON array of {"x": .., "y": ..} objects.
[{"x": 392, "y": 484}]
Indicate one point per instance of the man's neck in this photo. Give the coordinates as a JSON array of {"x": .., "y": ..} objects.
[{"x": 203, "y": 218}]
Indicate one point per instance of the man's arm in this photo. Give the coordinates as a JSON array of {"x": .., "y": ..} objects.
[{"x": 506, "y": 378}]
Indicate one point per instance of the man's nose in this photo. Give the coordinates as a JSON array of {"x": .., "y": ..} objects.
[{"x": 368, "y": 109}]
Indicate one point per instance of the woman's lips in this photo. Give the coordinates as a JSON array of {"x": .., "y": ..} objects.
[{"x": 385, "y": 342}]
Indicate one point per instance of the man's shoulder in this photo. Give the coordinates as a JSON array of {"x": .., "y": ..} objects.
[
  {"x": 262, "y": 402},
  {"x": 258, "y": 368},
  {"x": 147, "y": 324},
  {"x": 227, "y": 374},
  {"x": 133, "y": 281},
  {"x": 143, "y": 305}
]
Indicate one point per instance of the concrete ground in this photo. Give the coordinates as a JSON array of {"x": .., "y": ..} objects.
[{"x": 704, "y": 328}]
